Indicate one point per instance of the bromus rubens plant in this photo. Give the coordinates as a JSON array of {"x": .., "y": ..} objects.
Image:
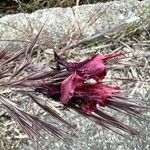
[{"x": 78, "y": 86}]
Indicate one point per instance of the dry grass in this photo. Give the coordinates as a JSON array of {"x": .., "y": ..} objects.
[
  {"x": 26, "y": 6},
  {"x": 133, "y": 40}
]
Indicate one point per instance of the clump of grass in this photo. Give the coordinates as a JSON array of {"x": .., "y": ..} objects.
[
  {"x": 27, "y": 6},
  {"x": 60, "y": 83}
]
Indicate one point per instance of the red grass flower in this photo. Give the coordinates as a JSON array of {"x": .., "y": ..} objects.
[{"x": 95, "y": 68}]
